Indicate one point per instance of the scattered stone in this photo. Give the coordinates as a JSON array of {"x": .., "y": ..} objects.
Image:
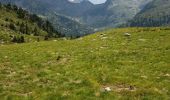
[
  {"x": 77, "y": 81},
  {"x": 144, "y": 77},
  {"x": 158, "y": 77},
  {"x": 118, "y": 88},
  {"x": 168, "y": 75},
  {"x": 91, "y": 51},
  {"x": 101, "y": 47},
  {"x": 6, "y": 57},
  {"x": 80, "y": 38},
  {"x": 66, "y": 93},
  {"x": 94, "y": 39},
  {"x": 58, "y": 74},
  {"x": 127, "y": 34},
  {"x": 143, "y": 40},
  {"x": 108, "y": 89},
  {"x": 104, "y": 37}
]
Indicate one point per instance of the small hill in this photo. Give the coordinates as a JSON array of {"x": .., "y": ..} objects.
[
  {"x": 16, "y": 23},
  {"x": 124, "y": 64},
  {"x": 156, "y": 13}
]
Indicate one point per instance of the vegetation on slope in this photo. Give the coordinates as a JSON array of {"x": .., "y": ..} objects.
[
  {"x": 130, "y": 63},
  {"x": 156, "y": 13},
  {"x": 16, "y": 23},
  {"x": 48, "y": 8}
]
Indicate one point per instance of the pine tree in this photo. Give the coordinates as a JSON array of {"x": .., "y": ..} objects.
[
  {"x": 12, "y": 26},
  {"x": 14, "y": 39},
  {"x": 22, "y": 28},
  {"x": 26, "y": 29},
  {"x": 35, "y": 31},
  {"x": 22, "y": 39}
]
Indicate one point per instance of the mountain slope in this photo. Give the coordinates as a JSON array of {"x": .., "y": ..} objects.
[
  {"x": 107, "y": 65},
  {"x": 16, "y": 22},
  {"x": 156, "y": 13},
  {"x": 48, "y": 9},
  {"x": 110, "y": 14},
  {"x": 114, "y": 12}
]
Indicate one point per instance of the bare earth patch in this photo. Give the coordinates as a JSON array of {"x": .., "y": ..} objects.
[{"x": 118, "y": 88}]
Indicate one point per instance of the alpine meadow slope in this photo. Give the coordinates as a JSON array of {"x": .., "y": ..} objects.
[
  {"x": 106, "y": 65},
  {"x": 131, "y": 63}
]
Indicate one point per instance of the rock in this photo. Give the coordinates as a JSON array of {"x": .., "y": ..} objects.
[
  {"x": 168, "y": 75},
  {"x": 127, "y": 34},
  {"x": 143, "y": 40},
  {"x": 104, "y": 37},
  {"x": 145, "y": 77},
  {"x": 6, "y": 57},
  {"x": 108, "y": 89}
]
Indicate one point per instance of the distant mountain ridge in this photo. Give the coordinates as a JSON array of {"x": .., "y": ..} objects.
[
  {"x": 156, "y": 13},
  {"x": 112, "y": 13}
]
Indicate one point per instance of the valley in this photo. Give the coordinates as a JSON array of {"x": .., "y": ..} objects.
[{"x": 73, "y": 50}]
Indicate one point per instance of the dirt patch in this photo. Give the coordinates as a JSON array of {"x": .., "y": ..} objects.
[{"x": 118, "y": 88}]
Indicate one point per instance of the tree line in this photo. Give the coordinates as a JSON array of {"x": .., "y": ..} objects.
[
  {"x": 150, "y": 21},
  {"x": 24, "y": 27}
]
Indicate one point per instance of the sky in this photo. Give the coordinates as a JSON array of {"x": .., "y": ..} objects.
[{"x": 97, "y": 1}]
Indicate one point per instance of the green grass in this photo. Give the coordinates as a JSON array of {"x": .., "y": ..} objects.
[{"x": 134, "y": 68}]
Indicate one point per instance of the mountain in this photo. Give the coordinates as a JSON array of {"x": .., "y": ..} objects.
[
  {"x": 18, "y": 25},
  {"x": 110, "y": 14},
  {"x": 56, "y": 12},
  {"x": 81, "y": 16},
  {"x": 156, "y": 13},
  {"x": 113, "y": 12}
]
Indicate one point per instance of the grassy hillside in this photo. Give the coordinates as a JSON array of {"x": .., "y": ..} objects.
[
  {"x": 16, "y": 22},
  {"x": 125, "y": 64}
]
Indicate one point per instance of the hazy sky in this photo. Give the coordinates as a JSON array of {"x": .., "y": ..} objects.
[{"x": 97, "y": 1}]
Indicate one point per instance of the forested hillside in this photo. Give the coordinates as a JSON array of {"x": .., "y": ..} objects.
[
  {"x": 48, "y": 9},
  {"x": 17, "y": 24},
  {"x": 156, "y": 13}
]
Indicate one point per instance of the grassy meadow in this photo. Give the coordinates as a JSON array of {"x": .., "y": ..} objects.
[{"x": 107, "y": 65}]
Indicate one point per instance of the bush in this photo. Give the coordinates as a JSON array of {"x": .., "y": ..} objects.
[
  {"x": 12, "y": 26},
  {"x": 20, "y": 39}
]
